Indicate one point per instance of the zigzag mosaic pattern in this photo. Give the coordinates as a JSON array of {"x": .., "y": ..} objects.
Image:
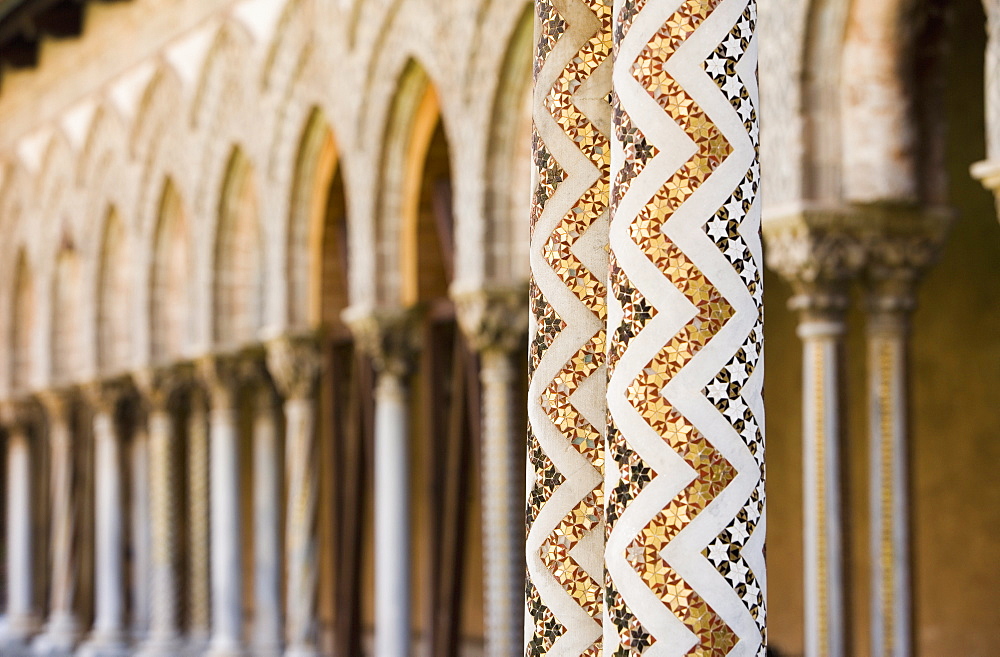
[
  {"x": 569, "y": 300},
  {"x": 685, "y": 246}
]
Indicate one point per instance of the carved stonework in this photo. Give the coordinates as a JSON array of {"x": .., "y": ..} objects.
[
  {"x": 159, "y": 385},
  {"x": 58, "y": 403},
  {"x": 391, "y": 338},
  {"x": 19, "y": 413},
  {"x": 294, "y": 363},
  {"x": 224, "y": 375},
  {"x": 103, "y": 396},
  {"x": 494, "y": 318}
]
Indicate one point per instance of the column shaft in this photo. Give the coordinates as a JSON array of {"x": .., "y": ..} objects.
[
  {"x": 142, "y": 538},
  {"x": 303, "y": 559},
  {"x": 267, "y": 529},
  {"x": 889, "y": 496},
  {"x": 198, "y": 525},
  {"x": 20, "y": 620},
  {"x": 503, "y": 529},
  {"x": 392, "y": 518},
  {"x": 823, "y": 513}
]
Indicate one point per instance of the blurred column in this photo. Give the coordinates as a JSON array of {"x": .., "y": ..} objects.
[
  {"x": 294, "y": 365},
  {"x": 140, "y": 502},
  {"x": 62, "y": 628},
  {"x": 20, "y": 621},
  {"x": 108, "y": 637},
  {"x": 495, "y": 322},
  {"x": 199, "y": 592},
  {"x": 988, "y": 171},
  {"x": 221, "y": 376},
  {"x": 390, "y": 338},
  {"x": 159, "y": 388}
]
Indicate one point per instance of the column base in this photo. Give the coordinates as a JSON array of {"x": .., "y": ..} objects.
[
  {"x": 266, "y": 650},
  {"x": 302, "y": 651},
  {"x": 225, "y": 648},
  {"x": 16, "y": 632},
  {"x": 105, "y": 644},
  {"x": 58, "y": 638},
  {"x": 161, "y": 647}
]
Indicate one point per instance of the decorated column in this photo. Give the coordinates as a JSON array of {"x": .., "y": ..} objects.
[
  {"x": 568, "y": 259},
  {"x": 820, "y": 263},
  {"x": 108, "y": 637},
  {"x": 685, "y": 480},
  {"x": 390, "y": 338},
  {"x": 159, "y": 388},
  {"x": 221, "y": 376},
  {"x": 198, "y": 524},
  {"x": 495, "y": 322},
  {"x": 141, "y": 530},
  {"x": 20, "y": 621},
  {"x": 267, "y": 494},
  {"x": 62, "y": 628},
  {"x": 294, "y": 364}
]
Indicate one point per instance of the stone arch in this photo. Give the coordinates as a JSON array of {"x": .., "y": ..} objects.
[
  {"x": 169, "y": 279},
  {"x": 509, "y": 162},
  {"x": 24, "y": 327},
  {"x": 67, "y": 317},
  {"x": 114, "y": 273},
  {"x": 413, "y": 119},
  {"x": 238, "y": 283},
  {"x": 317, "y": 235}
]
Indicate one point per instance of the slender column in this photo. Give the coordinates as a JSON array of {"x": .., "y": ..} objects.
[
  {"x": 267, "y": 493},
  {"x": 159, "y": 388},
  {"x": 495, "y": 322},
  {"x": 198, "y": 526},
  {"x": 568, "y": 258},
  {"x": 142, "y": 536},
  {"x": 222, "y": 378},
  {"x": 391, "y": 340},
  {"x": 62, "y": 629},
  {"x": 685, "y": 479},
  {"x": 988, "y": 171},
  {"x": 294, "y": 364},
  {"x": 20, "y": 621},
  {"x": 108, "y": 637}
]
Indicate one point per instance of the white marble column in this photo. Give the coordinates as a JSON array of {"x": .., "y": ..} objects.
[
  {"x": 390, "y": 338},
  {"x": 267, "y": 495},
  {"x": 140, "y": 593},
  {"x": 495, "y": 321},
  {"x": 108, "y": 637},
  {"x": 159, "y": 387},
  {"x": 198, "y": 526},
  {"x": 62, "y": 628},
  {"x": 294, "y": 364},
  {"x": 20, "y": 621},
  {"x": 221, "y": 375}
]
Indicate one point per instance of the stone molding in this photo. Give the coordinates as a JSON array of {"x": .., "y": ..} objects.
[
  {"x": 390, "y": 337},
  {"x": 493, "y": 318},
  {"x": 295, "y": 364}
]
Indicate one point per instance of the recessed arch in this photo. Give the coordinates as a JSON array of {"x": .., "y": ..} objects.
[
  {"x": 66, "y": 313},
  {"x": 24, "y": 329},
  {"x": 238, "y": 285},
  {"x": 169, "y": 280},
  {"x": 113, "y": 343},
  {"x": 413, "y": 121}
]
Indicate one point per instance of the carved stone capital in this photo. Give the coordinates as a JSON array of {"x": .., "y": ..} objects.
[
  {"x": 58, "y": 403},
  {"x": 813, "y": 248},
  {"x": 493, "y": 318},
  {"x": 224, "y": 374},
  {"x": 18, "y": 413},
  {"x": 295, "y": 363},
  {"x": 103, "y": 396},
  {"x": 159, "y": 385},
  {"x": 391, "y": 338}
]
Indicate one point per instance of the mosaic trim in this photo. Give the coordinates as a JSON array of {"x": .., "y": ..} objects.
[
  {"x": 571, "y": 148},
  {"x": 685, "y": 487}
]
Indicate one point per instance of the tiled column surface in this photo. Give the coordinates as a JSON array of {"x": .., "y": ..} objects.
[
  {"x": 495, "y": 323},
  {"x": 685, "y": 480},
  {"x": 221, "y": 376},
  {"x": 819, "y": 267},
  {"x": 198, "y": 525},
  {"x": 20, "y": 621},
  {"x": 294, "y": 364},
  {"x": 62, "y": 628},
  {"x": 159, "y": 387},
  {"x": 267, "y": 495},
  {"x": 391, "y": 339},
  {"x": 568, "y": 260},
  {"x": 108, "y": 638}
]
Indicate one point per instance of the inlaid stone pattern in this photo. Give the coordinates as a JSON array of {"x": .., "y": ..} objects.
[
  {"x": 685, "y": 484},
  {"x": 571, "y": 148}
]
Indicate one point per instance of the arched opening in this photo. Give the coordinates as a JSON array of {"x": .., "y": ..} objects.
[
  {"x": 112, "y": 298},
  {"x": 169, "y": 280},
  {"x": 24, "y": 316},
  {"x": 66, "y": 314},
  {"x": 239, "y": 282}
]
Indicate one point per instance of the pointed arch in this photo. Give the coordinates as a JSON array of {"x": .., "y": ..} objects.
[
  {"x": 413, "y": 120},
  {"x": 169, "y": 282},
  {"x": 113, "y": 343},
  {"x": 508, "y": 179},
  {"x": 24, "y": 312},
  {"x": 66, "y": 312},
  {"x": 238, "y": 285},
  {"x": 317, "y": 235}
]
